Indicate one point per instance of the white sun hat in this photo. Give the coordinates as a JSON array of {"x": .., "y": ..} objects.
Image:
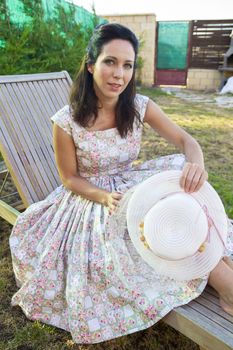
[{"x": 180, "y": 235}]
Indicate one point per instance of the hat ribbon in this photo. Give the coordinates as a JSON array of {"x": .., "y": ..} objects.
[{"x": 210, "y": 224}]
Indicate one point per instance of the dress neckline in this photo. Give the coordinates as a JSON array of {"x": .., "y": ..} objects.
[{"x": 96, "y": 131}]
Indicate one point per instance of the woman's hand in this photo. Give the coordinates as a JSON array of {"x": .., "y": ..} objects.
[
  {"x": 193, "y": 177},
  {"x": 112, "y": 200}
]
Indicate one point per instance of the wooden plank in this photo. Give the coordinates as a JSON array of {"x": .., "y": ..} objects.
[
  {"x": 38, "y": 128},
  {"x": 223, "y": 22},
  {"x": 31, "y": 160},
  {"x": 213, "y": 312},
  {"x": 46, "y": 105},
  {"x": 67, "y": 84},
  {"x": 203, "y": 65},
  {"x": 3, "y": 173},
  {"x": 16, "y": 174},
  {"x": 41, "y": 111},
  {"x": 36, "y": 143},
  {"x": 48, "y": 100},
  {"x": 52, "y": 94},
  {"x": 8, "y": 213},
  {"x": 62, "y": 90},
  {"x": 34, "y": 77},
  {"x": 206, "y": 26},
  {"x": 43, "y": 119},
  {"x": 212, "y": 303},
  {"x": 43, "y": 151},
  {"x": 210, "y": 290},
  {"x": 44, "y": 125},
  {"x": 209, "y": 44},
  {"x": 206, "y": 59},
  {"x": 199, "y": 329},
  {"x": 210, "y": 41},
  {"x": 213, "y": 30},
  {"x": 213, "y": 298},
  {"x": 67, "y": 79},
  {"x": 41, "y": 141},
  {"x": 10, "y": 152}
]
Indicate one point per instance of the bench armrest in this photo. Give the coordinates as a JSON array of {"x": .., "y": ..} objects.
[{"x": 8, "y": 213}]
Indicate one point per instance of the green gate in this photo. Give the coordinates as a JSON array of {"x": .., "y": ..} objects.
[{"x": 172, "y": 53}]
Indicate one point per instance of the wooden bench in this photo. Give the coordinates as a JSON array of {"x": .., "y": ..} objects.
[
  {"x": 26, "y": 103},
  {"x": 203, "y": 321}
]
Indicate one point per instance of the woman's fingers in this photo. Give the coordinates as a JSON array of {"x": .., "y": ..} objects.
[
  {"x": 187, "y": 176},
  {"x": 203, "y": 178},
  {"x": 114, "y": 202},
  {"x": 116, "y": 195},
  {"x": 195, "y": 182},
  {"x": 193, "y": 177}
]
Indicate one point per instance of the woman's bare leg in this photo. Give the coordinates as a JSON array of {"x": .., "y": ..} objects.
[
  {"x": 228, "y": 261},
  {"x": 221, "y": 279}
]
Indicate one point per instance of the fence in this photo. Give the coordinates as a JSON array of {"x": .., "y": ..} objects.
[
  {"x": 209, "y": 41},
  {"x": 204, "y": 44}
]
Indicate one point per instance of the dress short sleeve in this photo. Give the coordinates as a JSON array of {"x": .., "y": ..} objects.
[
  {"x": 63, "y": 119},
  {"x": 141, "y": 104}
]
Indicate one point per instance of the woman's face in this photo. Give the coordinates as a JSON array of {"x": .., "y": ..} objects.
[{"x": 113, "y": 69}]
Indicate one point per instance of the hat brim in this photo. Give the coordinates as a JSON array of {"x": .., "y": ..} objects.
[{"x": 147, "y": 194}]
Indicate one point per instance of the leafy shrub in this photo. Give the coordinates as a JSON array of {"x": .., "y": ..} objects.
[{"x": 42, "y": 44}]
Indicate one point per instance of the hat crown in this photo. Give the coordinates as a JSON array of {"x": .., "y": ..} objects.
[{"x": 176, "y": 226}]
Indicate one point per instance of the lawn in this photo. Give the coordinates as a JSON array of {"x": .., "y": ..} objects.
[{"x": 213, "y": 128}]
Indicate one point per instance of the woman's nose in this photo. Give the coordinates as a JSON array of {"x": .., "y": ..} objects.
[{"x": 118, "y": 72}]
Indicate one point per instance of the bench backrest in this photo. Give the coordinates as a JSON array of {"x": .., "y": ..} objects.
[{"x": 26, "y": 104}]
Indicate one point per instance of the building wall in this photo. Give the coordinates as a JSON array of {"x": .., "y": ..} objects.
[
  {"x": 144, "y": 26},
  {"x": 203, "y": 79}
]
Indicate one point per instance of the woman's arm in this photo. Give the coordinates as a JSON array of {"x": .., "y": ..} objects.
[
  {"x": 66, "y": 160},
  {"x": 194, "y": 174}
]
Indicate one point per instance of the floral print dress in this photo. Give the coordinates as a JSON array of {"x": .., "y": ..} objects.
[{"x": 72, "y": 270}]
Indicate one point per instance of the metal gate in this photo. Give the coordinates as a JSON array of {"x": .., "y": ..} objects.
[{"x": 172, "y": 53}]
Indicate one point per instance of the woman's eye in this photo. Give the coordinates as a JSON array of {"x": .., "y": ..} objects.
[
  {"x": 109, "y": 62},
  {"x": 128, "y": 66}
]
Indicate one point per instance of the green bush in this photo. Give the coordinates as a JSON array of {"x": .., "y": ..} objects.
[{"x": 42, "y": 44}]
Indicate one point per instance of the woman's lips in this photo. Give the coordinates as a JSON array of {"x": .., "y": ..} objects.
[{"x": 114, "y": 87}]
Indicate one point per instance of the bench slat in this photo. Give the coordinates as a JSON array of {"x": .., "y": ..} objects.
[
  {"x": 35, "y": 76},
  {"x": 214, "y": 314},
  {"x": 198, "y": 328},
  {"x": 213, "y": 303}
]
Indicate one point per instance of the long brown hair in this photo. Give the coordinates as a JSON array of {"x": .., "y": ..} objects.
[{"x": 83, "y": 100}]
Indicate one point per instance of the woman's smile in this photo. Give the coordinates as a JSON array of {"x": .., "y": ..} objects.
[{"x": 114, "y": 86}]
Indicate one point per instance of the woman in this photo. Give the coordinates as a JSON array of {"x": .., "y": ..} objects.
[{"x": 67, "y": 276}]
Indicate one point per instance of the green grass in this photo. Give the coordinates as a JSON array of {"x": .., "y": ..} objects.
[{"x": 213, "y": 128}]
